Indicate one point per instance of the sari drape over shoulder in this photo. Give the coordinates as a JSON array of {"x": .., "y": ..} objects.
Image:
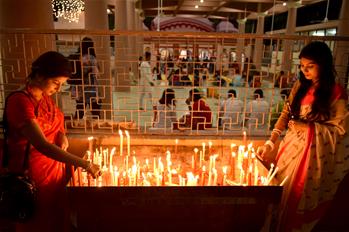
[{"x": 314, "y": 161}]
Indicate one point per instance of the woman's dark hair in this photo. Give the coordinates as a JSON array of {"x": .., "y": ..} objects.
[
  {"x": 258, "y": 93},
  {"x": 87, "y": 47},
  {"x": 49, "y": 65},
  {"x": 321, "y": 54},
  {"x": 168, "y": 97},
  {"x": 232, "y": 93},
  {"x": 196, "y": 94}
]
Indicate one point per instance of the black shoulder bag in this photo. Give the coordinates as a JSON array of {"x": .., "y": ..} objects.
[{"x": 18, "y": 193}]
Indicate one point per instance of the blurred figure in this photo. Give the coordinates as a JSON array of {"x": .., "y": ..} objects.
[
  {"x": 85, "y": 84},
  {"x": 165, "y": 111},
  {"x": 257, "y": 111},
  {"x": 200, "y": 114},
  {"x": 146, "y": 81},
  {"x": 230, "y": 111}
]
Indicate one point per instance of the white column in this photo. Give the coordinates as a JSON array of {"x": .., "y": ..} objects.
[
  {"x": 240, "y": 42},
  {"x": 121, "y": 47},
  {"x": 132, "y": 54},
  {"x": 341, "y": 53},
  {"x": 286, "y": 65},
  {"x": 258, "y": 48}
]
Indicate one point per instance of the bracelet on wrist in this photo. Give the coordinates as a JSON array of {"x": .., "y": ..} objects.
[
  {"x": 276, "y": 131},
  {"x": 270, "y": 143}
]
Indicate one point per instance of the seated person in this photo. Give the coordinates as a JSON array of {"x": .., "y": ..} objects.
[
  {"x": 200, "y": 114},
  {"x": 237, "y": 79},
  {"x": 257, "y": 111},
  {"x": 230, "y": 111},
  {"x": 165, "y": 110}
]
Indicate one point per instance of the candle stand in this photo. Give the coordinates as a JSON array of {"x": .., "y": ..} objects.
[{"x": 209, "y": 208}]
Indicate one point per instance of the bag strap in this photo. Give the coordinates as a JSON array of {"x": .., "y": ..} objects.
[{"x": 5, "y": 158}]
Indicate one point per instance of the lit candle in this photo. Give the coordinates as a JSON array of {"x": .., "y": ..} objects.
[
  {"x": 203, "y": 150},
  {"x": 111, "y": 158},
  {"x": 209, "y": 178},
  {"x": 272, "y": 175},
  {"x": 244, "y": 138},
  {"x": 193, "y": 162},
  {"x": 128, "y": 143},
  {"x": 209, "y": 147},
  {"x": 214, "y": 171},
  {"x": 200, "y": 159},
  {"x": 116, "y": 177},
  {"x": 121, "y": 142},
  {"x": 232, "y": 166},
  {"x": 90, "y": 144},
  {"x": 224, "y": 169},
  {"x": 203, "y": 176},
  {"x": 176, "y": 147}
]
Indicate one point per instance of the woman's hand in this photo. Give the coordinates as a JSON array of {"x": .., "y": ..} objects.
[
  {"x": 94, "y": 169},
  {"x": 62, "y": 141},
  {"x": 265, "y": 154}
]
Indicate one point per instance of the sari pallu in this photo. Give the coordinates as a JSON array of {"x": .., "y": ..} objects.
[{"x": 315, "y": 162}]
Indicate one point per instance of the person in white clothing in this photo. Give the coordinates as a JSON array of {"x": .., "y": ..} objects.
[
  {"x": 230, "y": 111},
  {"x": 165, "y": 110},
  {"x": 257, "y": 111},
  {"x": 146, "y": 81}
]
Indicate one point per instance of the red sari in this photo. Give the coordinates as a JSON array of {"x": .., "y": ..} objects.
[
  {"x": 315, "y": 162},
  {"x": 48, "y": 174}
]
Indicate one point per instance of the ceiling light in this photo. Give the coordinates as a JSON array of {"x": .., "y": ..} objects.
[
  {"x": 196, "y": 6},
  {"x": 284, "y": 4},
  {"x": 68, "y": 9},
  {"x": 201, "y": 1}
]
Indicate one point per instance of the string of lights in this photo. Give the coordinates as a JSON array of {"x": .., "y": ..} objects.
[{"x": 69, "y": 10}]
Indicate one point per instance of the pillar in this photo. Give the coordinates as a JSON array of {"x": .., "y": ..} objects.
[
  {"x": 258, "y": 48},
  {"x": 121, "y": 47},
  {"x": 287, "y": 55},
  {"x": 240, "y": 42}
]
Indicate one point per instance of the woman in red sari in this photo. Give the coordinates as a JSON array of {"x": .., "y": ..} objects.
[
  {"x": 33, "y": 117},
  {"x": 313, "y": 155}
]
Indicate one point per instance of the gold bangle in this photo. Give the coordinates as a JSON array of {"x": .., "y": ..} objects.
[{"x": 270, "y": 143}]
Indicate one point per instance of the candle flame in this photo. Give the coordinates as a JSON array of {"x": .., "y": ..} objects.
[
  {"x": 90, "y": 138},
  {"x": 120, "y": 132},
  {"x": 126, "y": 133},
  {"x": 196, "y": 150}
]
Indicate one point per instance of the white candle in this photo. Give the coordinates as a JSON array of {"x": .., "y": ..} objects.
[
  {"x": 90, "y": 145},
  {"x": 244, "y": 138},
  {"x": 224, "y": 169},
  {"x": 203, "y": 150},
  {"x": 209, "y": 147},
  {"x": 214, "y": 171},
  {"x": 121, "y": 142},
  {"x": 176, "y": 147},
  {"x": 111, "y": 158},
  {"x": 128, "y": 143}
]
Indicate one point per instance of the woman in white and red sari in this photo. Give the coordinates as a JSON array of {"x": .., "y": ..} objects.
[{"x": 313, "y": 155}]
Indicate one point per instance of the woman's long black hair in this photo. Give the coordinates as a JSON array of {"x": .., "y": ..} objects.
[
  {"x": 168, "y": 97},
  {"x": 321, "y": 54}
]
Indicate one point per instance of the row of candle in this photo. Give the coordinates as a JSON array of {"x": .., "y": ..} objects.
[{"x": 242, "y": 168}]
